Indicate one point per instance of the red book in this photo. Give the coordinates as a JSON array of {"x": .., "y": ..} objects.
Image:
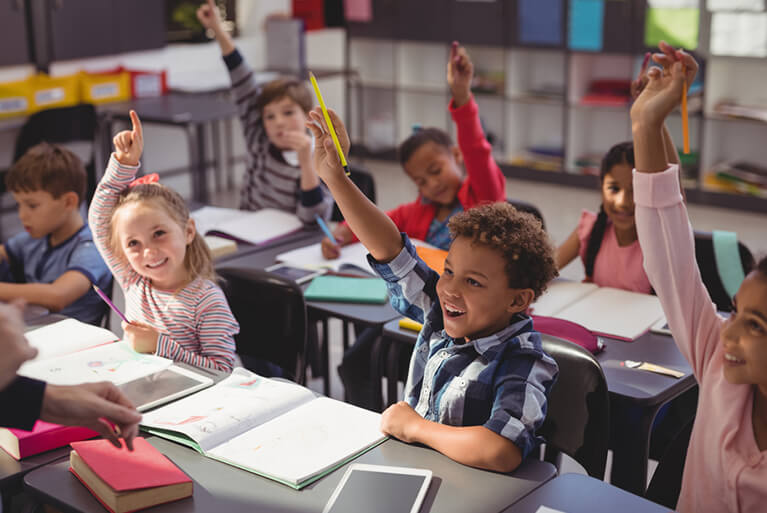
[
  {"x": 125, "y": 481},
  {"x": 43, "y": 437}
]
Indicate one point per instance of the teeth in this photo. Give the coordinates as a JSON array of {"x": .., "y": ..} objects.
[
  {"x": 453, "y": 310},
  {"x": 731, "y": 358},
  {"x": 156, "y": 264}
]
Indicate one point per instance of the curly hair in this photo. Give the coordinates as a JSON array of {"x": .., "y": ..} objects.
[
  {"x": 518, "y": 236},
  {"x": 420, "y": 137}
]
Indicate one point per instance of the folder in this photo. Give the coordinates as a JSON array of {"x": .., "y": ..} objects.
[{"x": 348, "y": 290}]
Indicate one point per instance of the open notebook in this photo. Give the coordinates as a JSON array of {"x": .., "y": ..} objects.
[
  {"x": 272, "y": 428},
  {"x": 249, "y": 227},
  {"x": 602, "y": 310}
]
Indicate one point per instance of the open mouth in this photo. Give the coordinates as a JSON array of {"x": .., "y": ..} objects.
[
  {"x": 732, "y": 359},
  {"x": 453, "y": 312},
  {"x": 157, "y": 264}
]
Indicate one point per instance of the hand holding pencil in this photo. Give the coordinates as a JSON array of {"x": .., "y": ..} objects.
[{"x": 328, "y": 159}]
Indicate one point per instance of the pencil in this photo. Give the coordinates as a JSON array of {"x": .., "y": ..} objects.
[
  {"x": 685, "y": 126},
  {"x": 109, "y": 302},
  {"x": 324, "y": 227},
  {"x": 330, "y": 124}
]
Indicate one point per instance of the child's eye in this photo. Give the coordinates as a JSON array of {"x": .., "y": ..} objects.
[
  {"x": 159, "y": 233},
  {"x": 755, "y": 327},
  {"x": 132, "y": 243},
  {"x": 614, "y": 189},
  {"x": 473, "y": 282},
  {"x": 288, "y": 113},
  {"x": 447, "y": 272},
  {"x": 435, "y": 171}
]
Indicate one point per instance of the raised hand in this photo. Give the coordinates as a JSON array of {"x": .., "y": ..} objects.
[
  {"x": 209, "y": 16},
  {"x": 129, "y": 144},
  {"x": 460, "y": 72},
  {"x": 325, "y": 157}
]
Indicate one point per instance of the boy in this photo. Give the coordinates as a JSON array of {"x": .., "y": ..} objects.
[
  {"x": 280, "y": 173},
  {"x": 478, "y": 379},
  {"x": 54, "y": 261}
]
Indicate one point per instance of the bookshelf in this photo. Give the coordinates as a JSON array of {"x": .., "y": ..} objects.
[{"x": 540, "y": 104}]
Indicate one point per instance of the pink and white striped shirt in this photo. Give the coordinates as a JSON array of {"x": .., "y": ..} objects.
[
  {"x": 725, "y": 471},
  {"x": 196, "y": 325}
]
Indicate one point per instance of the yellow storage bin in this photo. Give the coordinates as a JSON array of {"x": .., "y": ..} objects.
[
  {"x": 50, "y": 92},
  {"x": 109, "y": 86},
  {"x": 15, "y": 98}
]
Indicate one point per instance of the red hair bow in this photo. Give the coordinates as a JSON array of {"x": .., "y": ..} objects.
[{"x": 150, "y": 178}]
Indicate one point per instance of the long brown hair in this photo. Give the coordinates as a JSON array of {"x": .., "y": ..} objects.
[{"x": 197, "y": 260}]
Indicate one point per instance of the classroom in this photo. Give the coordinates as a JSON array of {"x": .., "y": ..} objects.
[{"x": 379, "y": 255}]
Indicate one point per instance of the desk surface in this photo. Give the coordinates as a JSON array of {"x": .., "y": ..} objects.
[
  {"x": 576, "y": 493},
  {"x": 174, "y": 109},
  {"x": 219, "y": 487},
  {"x": 640, "y": 387},
  {"x": 11, "y": 469}
]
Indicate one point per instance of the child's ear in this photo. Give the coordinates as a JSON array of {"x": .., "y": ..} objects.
[
  {"x": 521, "y": 300},
  {"x": 71, "y": 199},
  {"x": 190, "y": 231},
  {"x": 457, "y": 155}
]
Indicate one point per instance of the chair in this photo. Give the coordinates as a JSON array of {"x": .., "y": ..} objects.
[
  {"x": 578, "y": 419},
  {"x": 364, "y": 182},
  {"x": 704, "y": 254},
  {"x": 523, "y": 206},
  {"x": 666, "y": 482},
  {"x": 272, "y": 316}
]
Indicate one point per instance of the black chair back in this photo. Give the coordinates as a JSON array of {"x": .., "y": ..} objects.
[
  {"x": 578, "y": 418},
  {"x": 524, "y": 206},
  {"x": 704, "y": 254},
  {"x": 666, "y": 482},
  {"x": 272, "y": 316},
  {"x": 364, "y": 182}
]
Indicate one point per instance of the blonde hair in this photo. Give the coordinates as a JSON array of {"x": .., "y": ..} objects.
[{"x": 197, "y": 260}]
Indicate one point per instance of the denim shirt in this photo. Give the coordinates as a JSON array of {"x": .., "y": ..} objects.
[{"x": 500, "y": 381}]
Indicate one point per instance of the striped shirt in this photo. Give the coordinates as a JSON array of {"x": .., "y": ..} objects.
[
  {"x": 500, "y": 381},
  {"x": 270, "y": 181},
  {"x": 196, "y": 325}
]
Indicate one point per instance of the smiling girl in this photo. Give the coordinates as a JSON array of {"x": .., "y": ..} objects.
[{"x": 163, "y": 265}]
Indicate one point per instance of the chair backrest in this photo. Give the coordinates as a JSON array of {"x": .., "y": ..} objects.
[
  {"x": 524, "y": 206},
  {"x": 704, "y": 254},
  {"x": 272, "y": 314},
  {"x": 578, "y": 418},
  {"x": 364, "y": 182}
]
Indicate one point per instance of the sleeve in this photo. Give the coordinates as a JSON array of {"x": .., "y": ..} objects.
[
  {"x": 317, "y": 201},
  {"x": 21, "y": 403},
  {"x": 117, "y": 177},
  {"x": 246, "y": 91},
  {"x": 585, "y": 225},
  {"x": 86, "y": 259},
  {"x": 412, "y": 284},
  {"x": 397, "y": 214},
  {"x": 484, "y": 177},
  {"x": 520, "y": 403},
  {"x": 216, "y": 328},
  {"x": 667, "y": 243}
]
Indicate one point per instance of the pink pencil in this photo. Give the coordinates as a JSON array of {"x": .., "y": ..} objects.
[{"x": 109, "y": 302}]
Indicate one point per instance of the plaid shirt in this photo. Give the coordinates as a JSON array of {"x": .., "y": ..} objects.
[{"x": 499, "y": 382}]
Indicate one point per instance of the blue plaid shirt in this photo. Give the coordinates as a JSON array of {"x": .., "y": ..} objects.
[{"x": 499, "y": 382}]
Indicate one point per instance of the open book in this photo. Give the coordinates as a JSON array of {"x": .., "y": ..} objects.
[
  {"x": 602, "y": 310},
  {"x": 243, "y": 226},
  {"x": 272, "y": 428}
]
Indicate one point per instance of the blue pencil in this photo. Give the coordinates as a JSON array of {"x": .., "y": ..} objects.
[{"x": 325, "y": 228}]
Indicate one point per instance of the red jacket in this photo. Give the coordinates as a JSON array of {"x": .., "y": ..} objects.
[{"x": 484, "y": 182}]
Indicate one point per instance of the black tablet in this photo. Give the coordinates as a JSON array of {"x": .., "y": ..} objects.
[
  {"x": 163, "y": 387},
  {"x": 379, "y": 489}
]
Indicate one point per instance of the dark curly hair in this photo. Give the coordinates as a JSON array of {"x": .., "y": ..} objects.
[
  {"x": 421, "y": 137},
  {"x": 518, "y": 236},
  {"x": 761, "y": 266}
]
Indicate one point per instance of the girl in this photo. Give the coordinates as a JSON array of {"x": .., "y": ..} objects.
[
  {"x": 163, "y": 265},
  {"x": 726, "y": 468}
]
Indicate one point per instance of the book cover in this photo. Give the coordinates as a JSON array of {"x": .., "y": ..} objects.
[
  {"x": 349, "y": 290},
  {"x": 43, "y": 437}
]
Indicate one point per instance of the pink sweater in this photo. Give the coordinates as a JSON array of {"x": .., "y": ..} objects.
[{"x": 725, "y": 470}]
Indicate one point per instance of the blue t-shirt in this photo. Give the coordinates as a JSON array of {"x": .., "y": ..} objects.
[{"x": 35, "y": 261}]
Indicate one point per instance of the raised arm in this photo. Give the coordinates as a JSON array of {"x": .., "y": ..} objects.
[
  {"x": 375, "y": 230},
  {"x": 211, "y": 20}
]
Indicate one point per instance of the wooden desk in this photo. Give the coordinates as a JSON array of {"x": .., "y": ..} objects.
[
  {"x": 220, "y": 487},
  {"x": 635, "y": 396}
]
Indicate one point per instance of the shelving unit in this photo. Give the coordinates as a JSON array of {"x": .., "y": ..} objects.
[{"x": 402, "y": 83}]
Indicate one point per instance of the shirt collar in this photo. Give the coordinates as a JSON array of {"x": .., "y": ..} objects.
[
  {"x": 520, "y": 324},
  {"x": 78, "y": 232}
]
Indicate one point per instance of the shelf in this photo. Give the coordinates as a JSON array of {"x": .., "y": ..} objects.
[
  {"x": 714, "y": 116},
  {"x": 537, "y": 100}
]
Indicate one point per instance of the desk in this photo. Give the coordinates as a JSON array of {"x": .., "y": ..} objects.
[
  {"x": 576, "y": 493},
  {"x": 12, "y": 471},
  {"x": 635, "y": 396},
  {"x": 190, "y": 112},
  {"x": 220, "y": 487}
]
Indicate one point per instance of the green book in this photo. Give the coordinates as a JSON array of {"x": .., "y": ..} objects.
[{"x": 347, "y": 290}]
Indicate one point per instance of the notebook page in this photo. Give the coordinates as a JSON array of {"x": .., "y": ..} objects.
[
  {"x": 615, "y": 312},
  {"x": 236, "y": 404},
  {"x": 560, "y": 294},
  {"x": 212, "y": 218},
  {"x": 66, "y": 336},
  {"x": 261, "y": 226},
  {"x": 310, "y": 257},
  {"x": 305, "y": 441}
]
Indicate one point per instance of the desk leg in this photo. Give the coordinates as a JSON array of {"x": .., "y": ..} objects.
[
  {"x": 218, "y": 165},
  {"x": 325, "y": 357},
  {"x": 229, "y": 154},
  {"x": 196, "y": 140},
  {"x": 630, "y": 442},
  {"x": 380, "y": 347}
]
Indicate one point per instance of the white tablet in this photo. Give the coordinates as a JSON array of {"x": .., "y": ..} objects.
[
  {"x": 379, "y": 489},
  {"x": 163, "y": 387}
]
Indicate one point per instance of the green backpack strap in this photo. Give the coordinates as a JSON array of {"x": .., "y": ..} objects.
[{"x": 727, "y": 258}]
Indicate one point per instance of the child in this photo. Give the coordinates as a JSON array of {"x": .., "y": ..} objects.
[
  {"x": 478, "y": 379},
  {"x": 163, "y": 265},
  {"x": 432, "y": 161},
  {"x": 725, "y": 468},
  {"x": 279, "y": 173},
  {"x": 54, "y": 262}
]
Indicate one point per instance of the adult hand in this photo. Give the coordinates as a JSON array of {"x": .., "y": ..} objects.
[
  {"x": 97, "y": 406},
  {"x": 14, "y": 347},
  {"x": 129, "y": 144}
]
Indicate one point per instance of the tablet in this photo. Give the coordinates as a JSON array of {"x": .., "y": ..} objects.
[
  {"x": 379, "y": 489},
  {"x": 296, "y": 274},
  {"x": 163, "y": 387},
  {"x": 661, "y": 327}
]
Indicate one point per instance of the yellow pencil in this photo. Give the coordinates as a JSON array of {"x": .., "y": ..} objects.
[
  {"x": 329, "y": 123},
  {"x": 685, "y": 127}
]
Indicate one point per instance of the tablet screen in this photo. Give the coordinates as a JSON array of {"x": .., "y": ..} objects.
[
  {"x": 162, "y": 387},
  {"x": 292, "y": 273},
  {"x": 378, "y": 492}
]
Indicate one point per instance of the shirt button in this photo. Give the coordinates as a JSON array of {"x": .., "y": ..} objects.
[{"x": 755, "y": 460}]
